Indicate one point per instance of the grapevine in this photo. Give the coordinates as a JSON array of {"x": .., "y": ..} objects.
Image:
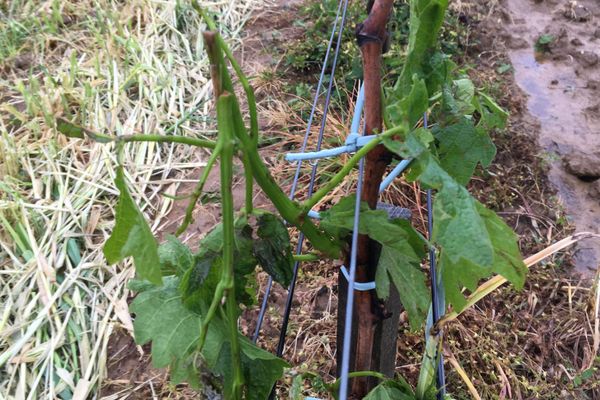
[{"x": 188, "y": 304}]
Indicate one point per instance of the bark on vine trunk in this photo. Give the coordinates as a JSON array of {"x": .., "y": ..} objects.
[{"x": 371, "y": 36}]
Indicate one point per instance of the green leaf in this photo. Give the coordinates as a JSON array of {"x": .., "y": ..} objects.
[
  {"x": 175, "y": 258},
  {"x": 245, "y": 261},
  {"x": 416, "y": 142},
  {"x": 507, "y": 261},
  {"x": 199, "y": 282},
  {"x": 391, "y": 390},
  {"x": 132, "y": 236},
  {"x": 458, "y": 227},
  {"x": 474, "y": 241},
  {"x": 273, "y": 250},
  {"x": 72, "y": 130},
  {"x": 400, "y": 257},
  {"x": 173, "y": 329},
  {"x": 316, "y": 384},
  {"x": 462, "y": 147},
  {"x": 410, "y": 108},
  {"x": 69, "y": 129},
  {"x": 261, "y": 369},
  {"x": 243, "y": 254},
  {"x": 504, "y": 68},
  {"x": 409, "y": 281},
  {"x": 161, "y": 317},
  {"x": 492, "y": 116},
  {"x": 426, "y": 18},
  {"x": 462, "y": 92}
]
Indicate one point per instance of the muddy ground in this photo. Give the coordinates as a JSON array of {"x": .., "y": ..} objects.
[
  {"x": 554, "y": 48},
  {"x": 534, "y": 344}
]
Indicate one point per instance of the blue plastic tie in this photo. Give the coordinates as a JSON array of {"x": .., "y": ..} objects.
[
  {"x": 360, "y": 286},
  {"x": 402, "y": 165}
]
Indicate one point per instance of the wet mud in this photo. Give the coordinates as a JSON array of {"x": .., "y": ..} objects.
[{"x": 554, "y": 47}]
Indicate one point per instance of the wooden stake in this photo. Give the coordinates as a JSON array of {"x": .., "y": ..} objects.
[{"x": 369, "y": 333}]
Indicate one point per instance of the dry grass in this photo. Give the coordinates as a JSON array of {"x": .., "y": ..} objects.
[{"x": 117, "y": 67}]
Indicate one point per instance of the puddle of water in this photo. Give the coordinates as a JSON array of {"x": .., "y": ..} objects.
[{"x": 558, "y": 97}]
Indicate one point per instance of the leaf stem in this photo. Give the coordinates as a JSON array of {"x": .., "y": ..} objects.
[
  {"x": 167, "y": 139},
  {"x": 357, "y": 374},
  {"x": 306, "y": 257},
  {"x": 73, "y": 130},
  {"x": 250, "y": 97},
  {"x": 225, "y": 121},
  {"x": 198, "y": 189},
  {"x": 288, "y": 209}
]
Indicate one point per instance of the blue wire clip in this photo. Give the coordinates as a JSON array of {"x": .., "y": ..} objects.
[{"x": 360, "y": 286}]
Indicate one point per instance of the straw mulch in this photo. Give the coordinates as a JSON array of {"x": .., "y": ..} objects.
[{"x": 118, "y": 68}]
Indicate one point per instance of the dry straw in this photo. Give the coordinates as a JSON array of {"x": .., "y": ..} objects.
[{"x": 119, "y": 68}]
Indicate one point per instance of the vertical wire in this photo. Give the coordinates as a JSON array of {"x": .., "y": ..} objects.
[
  {"x": 437, "y": 303},
  {"x": 345, "y": 370},
  {"x": 263, "y": 308},
  {"x": 313, "y": 175}
]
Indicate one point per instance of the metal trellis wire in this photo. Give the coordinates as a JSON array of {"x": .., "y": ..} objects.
[
  {"x": 342, "y": 7},
  {"x": 353, "y": 142}
]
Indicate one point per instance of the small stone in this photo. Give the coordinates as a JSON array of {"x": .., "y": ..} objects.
[
  {"x": 554, "y": 82},
  {"x": 576, "y": 42},
  {"x": 585, "y": 166},
  {"x": 587, "y": 58}
]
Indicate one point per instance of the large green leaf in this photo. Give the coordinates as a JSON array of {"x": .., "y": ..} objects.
[
  {"x": 491, "y": 114},
  {"x": 161, "y": 317},
  {"x": 411, "y": 107},
  {"x": 174, "y": 257},
  {"x": 458, "y": 227},
  {"x": 426, "y": 18},
  {"x": 261, "y": 370},
  {"x": 458, "y": 97},
  {"x": 273, "y": 250},
  {"x": 462, "y": 147},
  {"x": 474, "y": 242},
  {"x": 400, "y": 257},
  {"x": 507, "y": 261},
  {"x": 200, "y": 281},
  {"x": 132, "y": 236},
  {"x": 173, "y": 329}
]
